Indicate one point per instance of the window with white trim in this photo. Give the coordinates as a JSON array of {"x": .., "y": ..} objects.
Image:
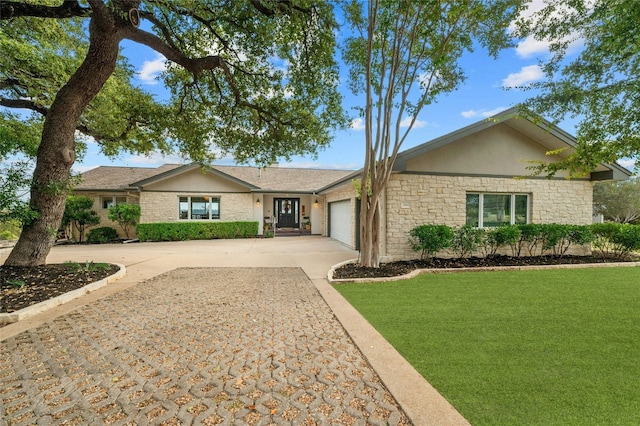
[
  {"x": 112, "y": 200},
  {"x": 486, "y": 210},
  {"x": 198, "y": 208}
]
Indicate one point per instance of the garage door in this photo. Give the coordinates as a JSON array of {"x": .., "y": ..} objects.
[{"x": 340, "y": 221}]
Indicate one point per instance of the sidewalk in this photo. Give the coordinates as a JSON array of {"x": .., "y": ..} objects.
[{"x": 243, "y": 338}]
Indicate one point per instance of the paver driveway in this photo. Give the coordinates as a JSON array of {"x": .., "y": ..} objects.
[
  {"x": 195, "y": 346},
  {"x": 240, "y": 333}
]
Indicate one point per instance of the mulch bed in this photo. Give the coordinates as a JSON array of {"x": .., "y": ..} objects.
[
  {"x": 394, "y": 269},
  {"x": 21, "y": 287}
]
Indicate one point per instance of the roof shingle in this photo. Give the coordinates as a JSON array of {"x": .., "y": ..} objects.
[{"x": 274, "y": 179}]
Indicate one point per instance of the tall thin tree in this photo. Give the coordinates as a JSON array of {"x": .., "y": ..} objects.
[{"x": 402, "y": 56}]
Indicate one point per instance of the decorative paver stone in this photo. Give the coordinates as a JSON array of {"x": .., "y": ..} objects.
[{"x": 207, "y": 346}]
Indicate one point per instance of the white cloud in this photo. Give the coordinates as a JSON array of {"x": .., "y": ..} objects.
[
  {"x": 627, "y": 163},
  {"x": 150, "y": 70},
  {"x": 482, "y": 113},
  {"x": 527, "y": 74},
  {"x": 531, "y": 47},
  {"x": 357, "y": 124},
  {"x": 418, "y": 123}
]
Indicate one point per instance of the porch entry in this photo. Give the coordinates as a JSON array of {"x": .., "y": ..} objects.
[{"x": 287, "y": 212}]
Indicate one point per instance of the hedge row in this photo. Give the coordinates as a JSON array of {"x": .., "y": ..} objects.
[
  {"x": 611, "y": 239},
  {"x": 182, "y": 231}
]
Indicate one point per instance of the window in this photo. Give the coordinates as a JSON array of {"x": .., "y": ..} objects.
[
  {"x": 112, "y": 200},
  {"x": 490, "y": 210},
  {"x": 199, "y": 208}
]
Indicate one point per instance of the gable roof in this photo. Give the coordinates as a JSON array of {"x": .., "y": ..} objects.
[
  {"x": 267, "y": 179},
  {"x": 543, "y": 132},
  {"x": 112, "y": 178}
]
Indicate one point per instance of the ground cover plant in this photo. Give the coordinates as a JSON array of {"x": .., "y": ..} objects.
[{"x": 553, "y": 347}]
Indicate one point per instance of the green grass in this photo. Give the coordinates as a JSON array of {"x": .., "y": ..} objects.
[{"x": 555, "y": 347}]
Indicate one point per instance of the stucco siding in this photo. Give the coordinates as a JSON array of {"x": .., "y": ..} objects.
[
  {"x": 196, "y": 181},
  {"x": 498, "y": 150},
  {"x": 414, "y": 200}
]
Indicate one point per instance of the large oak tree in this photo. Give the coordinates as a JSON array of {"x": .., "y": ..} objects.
[{"x": 252, "y": 78}]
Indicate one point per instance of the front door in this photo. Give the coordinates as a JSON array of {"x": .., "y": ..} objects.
[{"x": 287, "y": 212}]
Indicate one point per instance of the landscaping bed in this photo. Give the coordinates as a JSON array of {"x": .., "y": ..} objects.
[
  {"x": 393, "y": 269},
  {"x": 21, "y": 287}
]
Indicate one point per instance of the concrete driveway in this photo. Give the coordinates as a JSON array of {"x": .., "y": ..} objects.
[{"x": 155, "y": 264}]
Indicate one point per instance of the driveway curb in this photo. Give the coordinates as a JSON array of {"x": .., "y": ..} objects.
[{"x": 38, "y": 308}]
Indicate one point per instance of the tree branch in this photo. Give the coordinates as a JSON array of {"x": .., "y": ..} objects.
[
  {"x": 280, "y": 5},
  {"x": 24, "y": 104},
  {"x": 68, "y": 9}
]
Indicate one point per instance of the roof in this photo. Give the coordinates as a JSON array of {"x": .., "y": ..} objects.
[
  {"x": 544, "y": 132},
  {"x": 105, "y": 178},
  {"x": 267, "y": 179}
]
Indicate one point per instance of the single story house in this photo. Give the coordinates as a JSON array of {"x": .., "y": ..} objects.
[{"x": 476, "y": 175}]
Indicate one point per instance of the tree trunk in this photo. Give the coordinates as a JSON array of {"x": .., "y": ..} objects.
[
  {"x": 56, "y": 153},
  {"x": 369, "y": 231}
]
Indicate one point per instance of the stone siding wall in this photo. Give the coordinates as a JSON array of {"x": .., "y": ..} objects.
[
  {"x": 414, "y": 200},
  {"x": 163, "y": 206}
]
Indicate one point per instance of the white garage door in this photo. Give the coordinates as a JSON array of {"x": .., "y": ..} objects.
[{"x": 340, "y": 221}]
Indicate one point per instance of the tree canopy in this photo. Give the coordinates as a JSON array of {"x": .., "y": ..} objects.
[
  {"x": 253, "y": 79},
  {"x": 617, "y": 201},
  {"x": 598, "y": 85}
]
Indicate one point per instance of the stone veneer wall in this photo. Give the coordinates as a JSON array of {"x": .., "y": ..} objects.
[
  {"x": 163, "y": 206},
  {"x": 414, "y": 200}
]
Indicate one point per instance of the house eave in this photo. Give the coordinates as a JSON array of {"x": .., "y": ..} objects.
[{"x": 186, "y": 168}]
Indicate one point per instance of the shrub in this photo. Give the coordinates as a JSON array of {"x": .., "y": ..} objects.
[
  {"x": 9, "y": 230},
  {"x": 466, "y": 240},
  {"x": 102, "y": 235},
  {"x": 558, "y": 238},
  {"x": 7, "y": 235},
  {"x": 530, "y": 237},
  {"x": 430, "y": 239},
  {"x": 581, "y": 235},
  {"x": 181, "y": 231},
  {"x": 626, "y": 240},
  {"x": 505, "y": 235},
  {"x": 78, "y": 214},
  {"x": 604, "y": 234},
  {"x": 126, "y": 215}
]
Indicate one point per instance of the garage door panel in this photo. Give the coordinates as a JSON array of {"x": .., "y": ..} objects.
[{"x": 340, "y": 221}]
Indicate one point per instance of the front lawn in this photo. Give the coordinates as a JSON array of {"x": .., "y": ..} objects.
[{"x": 554, "y": 347}]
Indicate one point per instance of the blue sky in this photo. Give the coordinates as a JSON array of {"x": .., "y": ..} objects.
[{"x": 484, "y": 93}]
